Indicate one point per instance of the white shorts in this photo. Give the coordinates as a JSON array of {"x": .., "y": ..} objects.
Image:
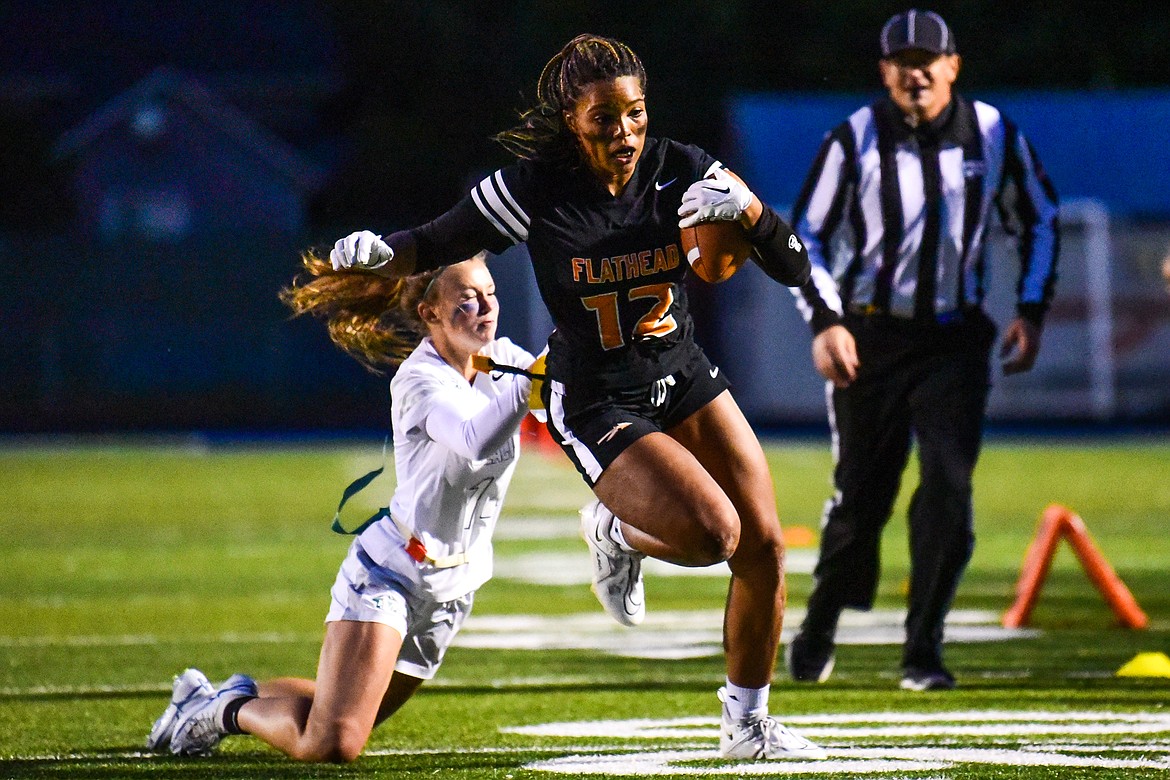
[{"x": 369, "y": 593}]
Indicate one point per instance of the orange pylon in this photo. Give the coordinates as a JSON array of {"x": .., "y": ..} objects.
[{"x": 1057, "y": 522}]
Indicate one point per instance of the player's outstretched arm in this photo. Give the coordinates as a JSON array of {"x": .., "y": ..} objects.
[{"x": 364, "y": 250}]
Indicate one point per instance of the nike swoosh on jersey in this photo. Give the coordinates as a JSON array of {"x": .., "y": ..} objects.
[
  {"x": 714, "y": 372},
  {"x": 663, "y": 185}
]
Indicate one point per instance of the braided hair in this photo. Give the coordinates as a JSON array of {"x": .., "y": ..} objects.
[{"x": 587, "y": 59}]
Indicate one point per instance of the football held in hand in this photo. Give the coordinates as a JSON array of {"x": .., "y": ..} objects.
[{"x": 715, "y": 249}]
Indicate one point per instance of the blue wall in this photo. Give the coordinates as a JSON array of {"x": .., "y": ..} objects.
[{"x": 1114, "y": 146}]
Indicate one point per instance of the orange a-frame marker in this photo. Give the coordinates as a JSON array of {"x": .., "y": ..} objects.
[{"x": 1056, "y": 522}]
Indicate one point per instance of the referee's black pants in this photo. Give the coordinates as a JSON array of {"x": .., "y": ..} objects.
[{"x": 928, "y": 382}]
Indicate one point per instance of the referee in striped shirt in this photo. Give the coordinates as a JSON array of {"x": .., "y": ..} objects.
[{"x": 894, "y": 214}]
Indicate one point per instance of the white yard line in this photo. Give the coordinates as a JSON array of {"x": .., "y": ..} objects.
[
  {"x": 857, "y": 743},
  {"x": 131, "y": 640},
  {"x": 698, "y": 634},
  {"x": 572, "y": 568},
  {"x": 853, "y": 742},
  {"x": 665, "y": 634}
]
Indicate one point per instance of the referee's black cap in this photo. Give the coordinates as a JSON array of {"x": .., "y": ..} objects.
[{"x": 916, "y": 29}]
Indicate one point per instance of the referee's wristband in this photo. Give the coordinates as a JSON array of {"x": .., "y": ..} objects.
[
  {"x": 1033, "y": 313},
  {"x": 822, "y": 319}
]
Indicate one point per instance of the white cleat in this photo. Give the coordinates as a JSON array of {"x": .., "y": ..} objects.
[
  {"x": 763, "y": 738},
  {"x": 617, "y": 574},
  {"x": 199, "y": 727},
  {"x": 190, "y": 685}
]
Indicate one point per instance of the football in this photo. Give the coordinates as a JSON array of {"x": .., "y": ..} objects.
[{"x": 716, "y": 250}]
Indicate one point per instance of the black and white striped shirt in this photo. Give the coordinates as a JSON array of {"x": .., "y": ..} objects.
[{"x": 883, "y": 203}]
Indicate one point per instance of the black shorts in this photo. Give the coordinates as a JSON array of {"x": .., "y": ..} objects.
[{"x": 594, "y": 425}]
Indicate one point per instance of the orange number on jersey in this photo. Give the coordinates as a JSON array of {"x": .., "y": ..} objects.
[
  {"x": 609, "y": 327},
  {"x": 656, "y": 323}
]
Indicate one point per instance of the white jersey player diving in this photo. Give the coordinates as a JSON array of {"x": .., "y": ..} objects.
[
  {"x": 455, "y": 448},
  {"x": 408, "y": 582}
]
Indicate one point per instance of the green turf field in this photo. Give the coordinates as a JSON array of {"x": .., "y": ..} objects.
[{"x": 122, "y": 563}]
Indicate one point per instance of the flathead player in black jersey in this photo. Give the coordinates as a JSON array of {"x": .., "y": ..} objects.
[{"x": 638, "y": 408}]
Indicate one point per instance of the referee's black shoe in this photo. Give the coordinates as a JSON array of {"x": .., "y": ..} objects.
[
  {"x": 918, "y": 679},
  {"x": 810, "y": 657}
]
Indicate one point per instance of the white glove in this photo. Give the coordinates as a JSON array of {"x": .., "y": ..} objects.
[
  {"x": 719, "y": 198},
  {"x": 361, "y": 250}
]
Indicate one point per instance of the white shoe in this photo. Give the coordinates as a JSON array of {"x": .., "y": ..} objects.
[
  {"x": 190, "y": 685},
  {"x": 617, "y": 574},
  {"x": 764, "y": 738},
  {"x": 199, "y": 727}
]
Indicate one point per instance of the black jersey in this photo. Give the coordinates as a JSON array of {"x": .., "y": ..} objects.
[{"x": 610, "y": 269}]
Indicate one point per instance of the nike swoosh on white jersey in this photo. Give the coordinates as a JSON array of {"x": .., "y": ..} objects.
[{"x": 663, "y": 185}]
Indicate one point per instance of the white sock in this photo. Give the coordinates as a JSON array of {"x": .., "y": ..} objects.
[
  {"x": 745, "y": 703},
  {"x": 617, "y": 537}
]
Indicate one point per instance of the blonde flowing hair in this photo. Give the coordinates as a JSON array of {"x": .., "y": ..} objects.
[{"x": 373, "y": 318}]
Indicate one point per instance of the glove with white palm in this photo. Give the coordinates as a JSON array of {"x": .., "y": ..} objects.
[
  {"x": 364, "y": 250},
  {"x": 721, "y": 197}
]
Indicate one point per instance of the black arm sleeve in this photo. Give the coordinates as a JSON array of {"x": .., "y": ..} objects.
[
  {"x": 454, "y": 236},
  {"x": 778, "y": 251}
]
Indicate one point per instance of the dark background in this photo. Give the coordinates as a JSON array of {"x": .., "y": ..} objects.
[{"x": 127, "y": 306}]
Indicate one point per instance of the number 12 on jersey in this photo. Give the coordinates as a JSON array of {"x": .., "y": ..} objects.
[{"x": 655, "y": 323}]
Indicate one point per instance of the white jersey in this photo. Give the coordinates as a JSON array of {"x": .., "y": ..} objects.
[{"x": 455, "y": 448}]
